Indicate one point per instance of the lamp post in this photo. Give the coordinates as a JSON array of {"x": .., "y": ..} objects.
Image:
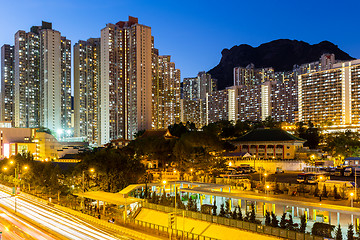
[
  {"x": 355, "y": 184},
  {"x": 16, "y": 172},
  {"x": 265, "y": 175},
  {"x": 83, "y": 186},
  {"x": 164, "y": 182},
  {"x": 352, "y": 201}
]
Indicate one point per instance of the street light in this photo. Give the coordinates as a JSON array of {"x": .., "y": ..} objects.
[
  {"x": 352, "y": 201},
  {"x": 83, "y": 186},
  {"x": 265, "y": 175}
]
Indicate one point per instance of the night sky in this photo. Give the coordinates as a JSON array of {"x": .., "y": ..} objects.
[{"x": 194, "y": 32}]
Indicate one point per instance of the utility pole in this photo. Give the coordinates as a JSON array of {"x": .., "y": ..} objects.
[
  {"x": 83, "y": 189},
  {"x": 355, "y": 185}
]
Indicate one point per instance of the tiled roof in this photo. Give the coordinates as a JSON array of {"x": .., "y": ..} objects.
[
  {"x": 263, "y": 135},
  {"x": 157, "y": 134}
]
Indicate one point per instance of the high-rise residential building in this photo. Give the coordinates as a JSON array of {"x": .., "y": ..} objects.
[
  {"x": 191, "y": 90},
  {"x": 27, "y": 79},
  {"x": 250, "y": 75},
  {"x": 284, "y": 100},
  {"x": 66, "y": 85},
  {"x": 155, "y": 84},
  {"x": 206, "y": 84},
  {"x": 193, "y": 111},
  {"x": 194, "y": 92},
  {"x": 248, "y": 103},
  {"x": 237, "y": 103},
  {"x": 126, "y": 80},
  {"x": 166, "y": 90},
  {"x": 55, "y": 79},
  {"x": 331, "y": 97},
  {"x": 86, "y": 87},
  {"x": 42, "y": 79},
  {"x": 7, "y": 83},
  {"x": 217, "y": 105},
  {"x": 197, "y": 87}
]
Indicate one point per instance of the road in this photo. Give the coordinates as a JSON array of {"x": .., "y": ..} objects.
[
  {"x": 13, "y": 227},
  {"x": 48, "y": 217}
]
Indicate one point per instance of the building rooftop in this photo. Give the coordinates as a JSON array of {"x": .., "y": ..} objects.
[
  {"x": 157, "y": 134},
  {"x": 266, "y": 135}
]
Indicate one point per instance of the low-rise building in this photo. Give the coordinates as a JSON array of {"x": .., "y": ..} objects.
[
  {"x": 269, "y": 144},
  {"x": 40, "y": 143}
]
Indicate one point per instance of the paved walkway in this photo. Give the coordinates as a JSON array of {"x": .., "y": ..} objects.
[{"x": 200, "y": 227}]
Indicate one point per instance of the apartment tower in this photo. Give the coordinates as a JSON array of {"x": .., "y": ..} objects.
[
  {"x": 7, "y": 83},
  {"x": 166, "y": 94},
  {"x": 126, "y": 80},
  {"x": 42, "y": 79},
  {"x": 86, "y": 84}
]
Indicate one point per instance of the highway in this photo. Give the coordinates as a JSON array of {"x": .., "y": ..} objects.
[
  {"x": 13, "y": 227},
  {"x": 64, "y": 224}
]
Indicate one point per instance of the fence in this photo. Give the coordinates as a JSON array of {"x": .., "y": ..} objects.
[
  {"x": 166, "y": 231},
  {"x": 277, "y": 232}
]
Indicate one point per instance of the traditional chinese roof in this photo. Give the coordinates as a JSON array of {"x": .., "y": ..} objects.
[
  {"x": 157, "y": 134},
  {"x": 268, "y": 135}
]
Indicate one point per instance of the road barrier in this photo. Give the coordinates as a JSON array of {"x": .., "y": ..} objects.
[{"x": 253, "y": 227}]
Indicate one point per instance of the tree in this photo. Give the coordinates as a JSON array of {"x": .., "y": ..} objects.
[
  {"x": 283, "y": 221},
  {"x": 115, "y": 169},
  {"x": 346, "y": 144},
  {"x": 222, "y": 211},
  {"x": 290, "y": 224},
  {"x": 324, "y": 192},
  {"x": 190, "y": 204},
  {"x": 239, "y": 214},
  {"x": 309, "y": 133},
  {"x": 312, "y": 136},
  {"x": 214, "y": 208},
  {"x": 267, "y": 218},
  {"x": 350, "y": 232},
  {"x": 302, "y": 223},
  {"x": 338, "y": 234},
  {"x": 177, "y": 129},
  {"x": 139, "y": 133},
  {"x": 252, "y": 214},
  {"x": 227, "y": 207},
  {"x": 322, "y": 229},
  {"x": 274, "y": 221},
  {"x": 270, "y": 123},
  {"x": 179, "y": 203},
  {"x": 316, "y": 191},
  {"x": 336, "y": 194},
  {"x": 234, "y": 214}
]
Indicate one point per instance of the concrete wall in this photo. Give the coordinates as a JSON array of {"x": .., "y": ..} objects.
[{"x": 271, "y": 165}]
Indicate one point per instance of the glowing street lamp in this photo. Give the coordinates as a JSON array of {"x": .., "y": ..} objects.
[
  {"x": 83, "y": 186},
  {"x": 352, "y": 199}
]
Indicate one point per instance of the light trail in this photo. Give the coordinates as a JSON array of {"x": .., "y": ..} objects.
[{"x": 58, "y": 221}]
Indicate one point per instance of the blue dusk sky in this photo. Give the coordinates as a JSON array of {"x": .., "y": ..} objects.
[{"x": 194, "y": 32}]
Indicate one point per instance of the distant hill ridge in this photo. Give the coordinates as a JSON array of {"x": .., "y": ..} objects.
[{"x": 281, "y": 54}]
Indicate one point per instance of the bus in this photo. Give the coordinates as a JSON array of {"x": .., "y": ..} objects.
[{"x": 311, "y": 178}]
